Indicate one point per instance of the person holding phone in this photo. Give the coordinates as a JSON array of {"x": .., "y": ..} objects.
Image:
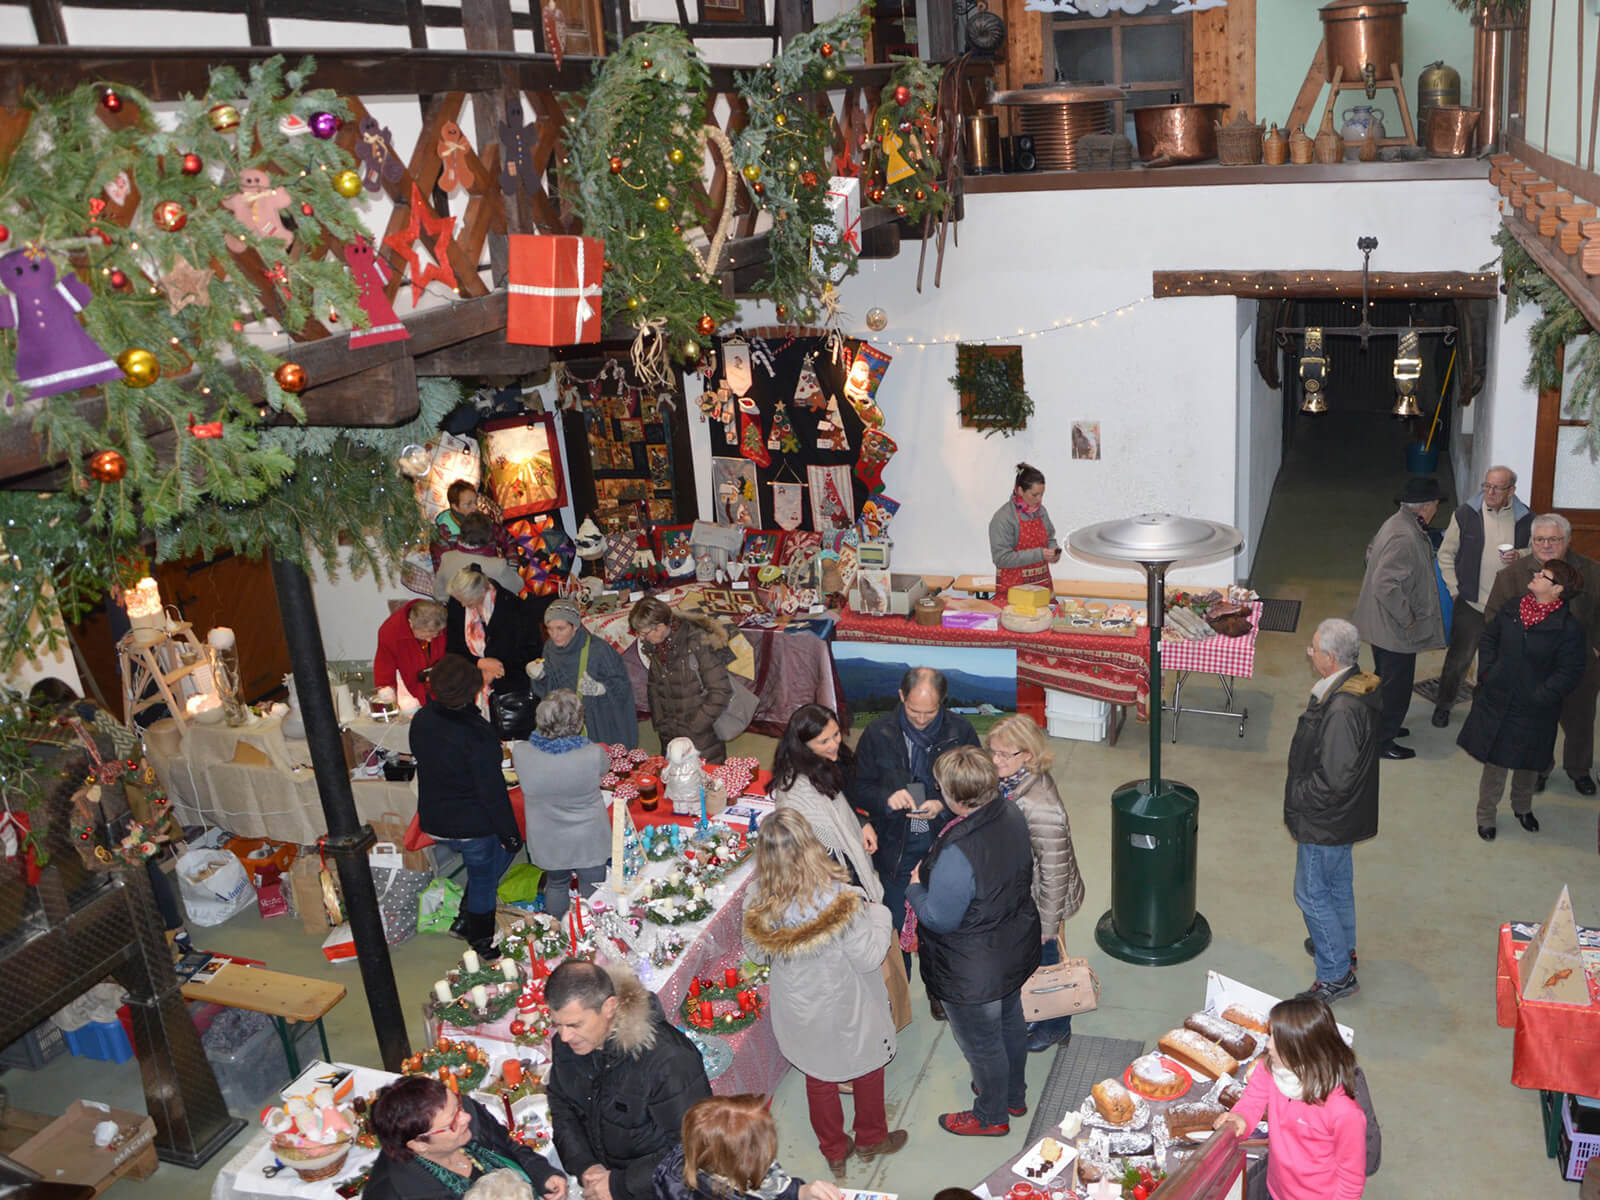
[
  {"x": 809, "y": 773},
  {"x": 895, "y": 786}
]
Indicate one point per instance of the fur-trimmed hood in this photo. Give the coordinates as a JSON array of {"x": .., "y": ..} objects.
[
  {"x": 639, "y": 1013},
  {"x": 809, "y": 935}
]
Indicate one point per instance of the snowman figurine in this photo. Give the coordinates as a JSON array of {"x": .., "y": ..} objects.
[{"x": 683, "y": 777}]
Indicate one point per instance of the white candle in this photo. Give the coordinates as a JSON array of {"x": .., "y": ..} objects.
[
  {"x": 480, "y": 997},
  {"x": 442, "y": 990},
  {"x": 220, "y": 638},
  {"x": 508, "y": 968},
  {"x": 469, "y": 961}
]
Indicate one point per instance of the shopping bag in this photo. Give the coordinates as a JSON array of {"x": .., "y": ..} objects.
[
  {"x": 399, "y": 892},
  {"x": 414, "y": 838},
  {"x": 438, "y": 906},
  {"x": 339, "y": 945},
  {"x": 894, "y": 978},
  {"x": 214, "y": 886},
  {"x": 520, "y": 883},
  {"x": 391, "y": 828},
  {"x": 1061, "y": 989}
]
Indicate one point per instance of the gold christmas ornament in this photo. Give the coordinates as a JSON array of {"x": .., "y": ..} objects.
[
  {"x": 108, "y": 466},
  {"x": 675, "y": 156},
  {"x": 691, "y": 350},
  {"x": 347, "y": 184},
  {"x": 291, "y": 377},
  {"x": 829, "y": 74},
  {"x": 780, "y": 120},
  {"x": 662, "y": 204},
  {"x": 751, "y": 172},
  {"x": 877, "y": 319},
  {"x": 224, "y": 117},
  {"x": 139, "y": 366}
]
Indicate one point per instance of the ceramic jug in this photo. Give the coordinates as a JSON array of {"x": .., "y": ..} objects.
[{"x": 1358, "y": 120}]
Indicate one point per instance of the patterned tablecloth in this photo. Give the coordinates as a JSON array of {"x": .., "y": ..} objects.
[{"x": 1216, "y": 655}]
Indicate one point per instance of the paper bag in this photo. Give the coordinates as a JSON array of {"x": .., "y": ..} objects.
[{"x": 894, "y": 978}]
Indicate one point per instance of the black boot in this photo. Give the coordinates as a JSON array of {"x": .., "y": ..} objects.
[
  {"x": 480, "y": 935},
  {"x": 935, "y": 1009},
  {"x": 459, "y": 927}
]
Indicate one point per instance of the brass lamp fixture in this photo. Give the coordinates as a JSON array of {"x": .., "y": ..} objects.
[
  {"x": 1314, "y": 374},
  {"x": 1407, "y": 370}
]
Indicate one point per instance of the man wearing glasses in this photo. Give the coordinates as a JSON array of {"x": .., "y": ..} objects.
[
  {"x": 1485, "y": 534},
  {"x": 1551, "y": 539}
]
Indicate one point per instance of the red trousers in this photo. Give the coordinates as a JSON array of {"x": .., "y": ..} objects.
[{"x": 827, "y": 1114}]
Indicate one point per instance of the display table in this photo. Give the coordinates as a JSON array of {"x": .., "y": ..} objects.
[
  {"x": 254, "y": 781},
  {"x": 1228, "y": 658},
  {"x": 1557, "y": 1046}
]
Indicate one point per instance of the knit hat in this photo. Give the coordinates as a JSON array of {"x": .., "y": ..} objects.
[
  {"x": 455, "y": 681},
  {"x": 564, "y": 609}
]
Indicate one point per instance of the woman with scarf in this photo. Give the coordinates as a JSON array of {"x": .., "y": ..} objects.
[
  {"x": 809, "y": 770},
  {"x": 560, "y": 772},
  {"x": 689, "y": 686},
  {"x": 436, "y": 1144},
  {"x": 1022, "y": 759},
  {"x": 1530, "y": 657},
  {"x": 1022, "y": 540},
  {"x": 830, "y": 1006},
  {"x": 577, "y": 661},
  {"x": 491, "y": 626},
  {"x": 730, "y": 1152}
]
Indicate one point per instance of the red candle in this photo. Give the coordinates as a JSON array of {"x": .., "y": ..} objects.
[
  {"x": 746, "y": 1002},
  {"x": 694, "y": 987},
  {"x": 577, "y": 909},
  {"x": 730, "y": 977},
  {"x": 705, "y": 1012},
  {"x": 512, "y": 1070}
]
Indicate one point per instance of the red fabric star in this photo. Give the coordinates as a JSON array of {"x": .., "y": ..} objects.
[{"x": 404, "y": 244}]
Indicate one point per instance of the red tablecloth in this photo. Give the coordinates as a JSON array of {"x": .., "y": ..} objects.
[{"x": 1557, "y": 1046}]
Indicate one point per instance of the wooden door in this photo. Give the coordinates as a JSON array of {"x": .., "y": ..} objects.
[
  {"x": 236, "y": 592},
  {"x": 1565, "y": 477}
]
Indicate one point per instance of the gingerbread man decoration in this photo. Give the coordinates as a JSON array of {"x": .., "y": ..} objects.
[
  {"x": 369, "y": 272},
  {"x": 259, "y": 206},
  {"x": 454, "y": 171},
  {"x": 379, "y": 162}
]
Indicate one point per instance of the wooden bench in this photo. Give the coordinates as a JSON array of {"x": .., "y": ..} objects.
[{"x": 282, "y": 997}]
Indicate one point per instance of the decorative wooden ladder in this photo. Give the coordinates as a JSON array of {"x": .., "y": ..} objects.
[
  {"x": 159, "y": 665},
  {"x": 1317, "y": 76}
]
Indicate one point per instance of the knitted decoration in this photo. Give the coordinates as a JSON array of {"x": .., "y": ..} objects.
[
  {"x": 750, "y": 443},
  {"x": 782, "y": 437},
  {"x": 807, "y": 390},
  {"x": 877, "y": 448}
]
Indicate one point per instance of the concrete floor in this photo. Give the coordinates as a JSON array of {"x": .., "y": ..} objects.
[{"x": 1430, "y": 898}]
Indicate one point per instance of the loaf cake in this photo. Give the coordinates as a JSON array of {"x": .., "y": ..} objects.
[
  {"x": 1113, "y": 1101},
  {"x": 1226, "y": 1034},
  {"x": 1192, "y": 1117},
  {"x": 1155, "y": 1079},
  {"x": 1245, "y": 1018},
  {"x": 1230, "y": 1095},
  {"x": 1192, "y": 1050},
  {"x": 1050, "y": 1150}
]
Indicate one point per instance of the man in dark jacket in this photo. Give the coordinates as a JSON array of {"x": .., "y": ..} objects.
[
  {"x": 1330, "y": 801},
  {"x": 894, "y": 782},
  {"x": 621, "y": 1078}
]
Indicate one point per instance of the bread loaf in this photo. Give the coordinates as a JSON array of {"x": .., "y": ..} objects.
[
  {"x": 1192, "y": 1117},
  {"x": 1245, "y": 1018},
  {"x": 1192, "y": 1050},
  {"x": 1113, "y": 1101},
  {"x": 1226, "y": 1034},
  {"x": 1230, "y": 1095}
]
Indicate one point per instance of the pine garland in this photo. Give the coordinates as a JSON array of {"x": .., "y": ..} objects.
[
  {"x": 902, "y": 172},
  {"x": 784, "y": 148}
]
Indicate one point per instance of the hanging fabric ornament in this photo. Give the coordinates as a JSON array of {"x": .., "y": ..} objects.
[
  {"x": 258, "y": 206},
  {"x": 552, "y": 32},
  {"x": 750, "y": 444},
  {"x": 651, "y": 366},
  {"x": 877, "y": 448},
  {"x": 54, "y": 353},
  {"x": 371, "y": 273},
  {"x": 736, "y": 366},
  {"x": 438, "y": 230},
  {"x": 761, "y": 353},
  {"x": 17, "y": 839},
  {"x": 186, "y": 285},
  {"x": 786, "y": 510},
  {"x": 830, "y": 430},
  {"x": 862, "y": 380},
  {"x": 808, "y": 391},
  {"x": 896, "y": 167},
  {"x": 782, "y": 437},
  {"x": 831, "y": 498},
  {"x": 453, "y": 148}
]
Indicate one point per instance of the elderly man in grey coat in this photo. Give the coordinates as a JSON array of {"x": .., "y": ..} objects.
[{"x": 1398, "y": 612}]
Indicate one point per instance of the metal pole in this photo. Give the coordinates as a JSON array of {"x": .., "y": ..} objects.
[
  {"x": 348, "y": 839},
  {"x": 1155, "y": 605}
]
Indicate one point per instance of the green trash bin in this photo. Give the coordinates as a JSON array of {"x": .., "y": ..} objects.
[{"x": 1154, "y": 851}]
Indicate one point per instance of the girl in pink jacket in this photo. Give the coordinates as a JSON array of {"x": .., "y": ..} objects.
[{"x": 1316, "y": 1131}]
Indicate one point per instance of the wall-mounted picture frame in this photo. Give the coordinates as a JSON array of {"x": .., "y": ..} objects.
[
  {"x": 730, "y": 11},
  {"x": 524, "y": 464}
]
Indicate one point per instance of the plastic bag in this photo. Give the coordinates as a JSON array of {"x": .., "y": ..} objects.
[
  {"x": 214, "y": 886},
  {"x": 520, "y": 883},
  {"x": 438, "y": 906}
]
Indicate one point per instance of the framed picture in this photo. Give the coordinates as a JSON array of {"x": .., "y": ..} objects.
[
  {"x": 725, "y": 10},
  {"x": 873, "y": 591},
  {"x": 662, "y": 510},
  {"x": 760, "y": 547},
  {"x": 524, "y": 464},
  {"x": 1086, "y": 439},
  {"x": 581, "y": 28}
]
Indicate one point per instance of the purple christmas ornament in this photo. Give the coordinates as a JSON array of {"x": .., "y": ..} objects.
[
  {"x": 54, "y": 353},
  {"x": 324, "y": 125}
]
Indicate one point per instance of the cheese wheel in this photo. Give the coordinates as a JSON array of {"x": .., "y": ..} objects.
[{"x": 1029, "y": 597}]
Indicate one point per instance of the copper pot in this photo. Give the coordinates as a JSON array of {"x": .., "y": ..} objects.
[
  {"x": 1364, "y": 37},
  {"x": 1177, "y": 133},
  {"x": 1450, "y": 130}
]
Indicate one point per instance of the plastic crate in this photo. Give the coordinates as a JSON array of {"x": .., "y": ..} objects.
[
  {"x": 40, "y": 1045},
  {"x": 1577, "y": 1149},
  {"x": 1092, "y": 728},
  {"x": 101, "y": 1040},
  {"x": 257, "y": 1070},
  {"x": 1031, "y": 703}
]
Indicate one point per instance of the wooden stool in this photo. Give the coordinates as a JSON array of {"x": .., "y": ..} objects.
[
  {"x": 282, "y": 997},
  {"x": 1316, "y": 76}
]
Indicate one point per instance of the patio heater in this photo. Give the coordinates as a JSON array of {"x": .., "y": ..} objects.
[{"x": 1154, "y": 822}]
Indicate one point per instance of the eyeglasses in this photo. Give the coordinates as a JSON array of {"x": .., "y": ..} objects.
[
  {"x": 1545, "y": 575},
  {"x": 452, "y": 1124},
  {"x": 1499, "y": 487},
  {"x": 1548, "y": 541},
  {"x": 993, "y": 753}
]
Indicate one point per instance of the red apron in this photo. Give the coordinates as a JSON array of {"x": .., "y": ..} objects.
[{"x": 1031, "y": 536}]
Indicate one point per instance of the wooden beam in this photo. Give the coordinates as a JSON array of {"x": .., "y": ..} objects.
[
  {"x": 487, "y": 25},
  {"x": 260, "y": 30},
  {"x": 486, "y": 354},
  {"x": 1310, "y": 88},
  {"x": 1241, "y": 52},
  {"x": 48, "y": 26},
  {"x": 1321, "y": 284}
]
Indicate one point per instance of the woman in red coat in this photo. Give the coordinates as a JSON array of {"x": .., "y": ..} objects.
[{"x": 410, "y": 642}]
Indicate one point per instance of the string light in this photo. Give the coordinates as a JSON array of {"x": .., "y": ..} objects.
[{"x": 991, "y": 339}]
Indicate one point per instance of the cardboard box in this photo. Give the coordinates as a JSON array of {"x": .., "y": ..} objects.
[{"x": 64, "y": 1150}]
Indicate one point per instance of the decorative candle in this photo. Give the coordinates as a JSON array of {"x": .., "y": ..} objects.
[
  {"x": 442, "y": 990},
  {"x": 508, "y": 968},
  {"x": 705, "y": 1011},
  {"x": 746, "y": 1002},
  {"x": 469, "y": 961},
  {"x": 694, "y": 987},
  {"x": 511, "y": 1069},
  {"x": 145, "y": 599},
  {"x": 480, "y": 997},
  {"x": 702, "y": 805},
  {"x": 730, "y": 977},
  {"x": 577, "y": 910},
  {"x": 619, "y": 821}
]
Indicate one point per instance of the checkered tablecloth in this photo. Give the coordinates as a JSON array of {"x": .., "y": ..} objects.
[{"x": 1215, "y": 655}]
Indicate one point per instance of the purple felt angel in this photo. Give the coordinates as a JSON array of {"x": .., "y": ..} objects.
[{"x": 54, "y": 353}]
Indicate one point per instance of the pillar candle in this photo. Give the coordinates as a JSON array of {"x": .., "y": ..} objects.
[
  {"x": 480, "y": 997},
  {"x": 508, "y": 968},
  {"x": 746, "y": 1002},
  {"x": 442, "y": 990},
  {"x": 469, "y": 961},
  {"x": 705, "y": 1011},
  {"x": 619, "y": 821},
  {"x": 731, "y": 977},
  {"x": 694, "y": 987},
  {"x": 512, "y": 1070}
]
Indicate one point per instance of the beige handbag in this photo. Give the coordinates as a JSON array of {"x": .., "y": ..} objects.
[{"x": 1062, "y": 989}]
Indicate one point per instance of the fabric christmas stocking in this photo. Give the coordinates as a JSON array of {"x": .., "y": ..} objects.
[
  {"x": 750, "y": 443},
  {"x": 877, "y": 448}
]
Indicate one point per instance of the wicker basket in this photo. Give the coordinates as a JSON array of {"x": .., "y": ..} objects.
[
  {"x": 1300, "y": 147},
  {"x": 1239, "y": 142},
  {"x": 1275, "y": 147},
  {"x": 1329, "y": 146},
  {"x": 310, "y": 1166}
]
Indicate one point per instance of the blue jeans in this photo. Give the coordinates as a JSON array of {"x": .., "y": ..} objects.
[
  {"x": 1055, "y": 1028},
  {"x": 994, "y": 1040},
  {"x": 1324, "y": 888},
  {"x": 486, "y": 861}
]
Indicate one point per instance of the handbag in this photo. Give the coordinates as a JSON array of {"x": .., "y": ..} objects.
[
  {"x": 741, "y": 710},
  {"x": 511, "y": 714},
  {"x": 1062, "y": 989}
]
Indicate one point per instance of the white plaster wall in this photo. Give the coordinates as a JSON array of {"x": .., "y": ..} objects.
[
  {"x": 1506, "y": 413},
  {"x": 1260, "y": 442}
]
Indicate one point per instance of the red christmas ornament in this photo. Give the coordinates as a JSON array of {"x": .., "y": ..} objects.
[
  {"x": 108, "y": 466},
  {"x": 306, "y": 210},
  {"x": 808, "y": 178},
  {"x": 192, "y": 164},
  {"x": 110, "y": 101},
  {"x": 169, "y": 215},
  {"x": 616, "y": 164},
  {"x": 119, "y": 280},
  {"x": 291, "y": 377},
  {"x": 759, "y": 188},
  {"x": 899, "y": 210},
  {"x": 783, "y": 312},
  {"x": 919, "y": 195},
  {"x": 877, "y": 195},
  {"x": 5, "y": 233},
  {"x": 826, "y": 49},
  {"x": 706, "y": 326},
  {"x": 933, "y": 187},
  {"x": 902, "y": 94},
  {"x": 518, "y": 1028}
]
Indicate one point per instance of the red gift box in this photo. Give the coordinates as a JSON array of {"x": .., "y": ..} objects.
[{"x": 554, "y": 291}]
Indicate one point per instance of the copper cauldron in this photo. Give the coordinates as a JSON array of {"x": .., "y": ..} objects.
[
  {"x": 1177, "y": 133},
  {"x": 1364, "y": 37},
  {"x": 1450, "y": 130}
]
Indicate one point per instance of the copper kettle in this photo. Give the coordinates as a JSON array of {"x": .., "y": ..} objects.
[{"x": 1365, "y": 38}]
